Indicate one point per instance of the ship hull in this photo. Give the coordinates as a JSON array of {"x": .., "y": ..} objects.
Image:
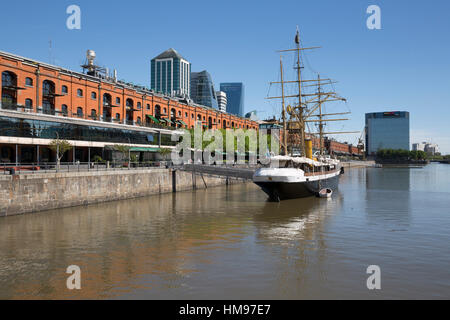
[{"x": 279, "y": 191}]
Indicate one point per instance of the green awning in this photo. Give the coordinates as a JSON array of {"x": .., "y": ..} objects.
[
  {"x": 163, "y": 121},
  {"x": 153, "y": 118},
  {"x": 145, "y": 149},
  {"x": 182, "y": 122},
  {"x": 168, "y": 121}
]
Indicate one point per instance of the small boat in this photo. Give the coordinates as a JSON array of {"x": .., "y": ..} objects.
[{"x": 325, "y": 193}]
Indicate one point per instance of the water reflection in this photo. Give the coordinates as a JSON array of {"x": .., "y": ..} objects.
[
  {"x": 388, "y": 198},
  {"x": 295, "y": 219},
  {"x": 230, "y": 243}
]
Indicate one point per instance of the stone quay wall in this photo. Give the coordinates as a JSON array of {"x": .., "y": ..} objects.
[{"x": 29, "y": 193}]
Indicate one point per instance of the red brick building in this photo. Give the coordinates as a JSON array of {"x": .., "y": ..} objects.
[
  {"x": 41, "y": 88},
  {"x": 41, "y": 102}
]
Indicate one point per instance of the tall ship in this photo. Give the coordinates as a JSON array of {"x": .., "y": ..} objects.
[{"x": 298, "y": 172}]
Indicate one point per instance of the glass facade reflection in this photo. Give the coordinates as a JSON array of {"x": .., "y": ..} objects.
[
  {"x": 202, "y": 89},
  {"x": 170, "y": 74},
  {"x": 25, "y": 128},
  {"x": 387, "y": 130},
  {"x": 235, "y": 97}
]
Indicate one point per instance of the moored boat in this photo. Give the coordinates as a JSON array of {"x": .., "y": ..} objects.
[
  {"x": 290, "y": 177},
  {"x": 298, "y": 177}
]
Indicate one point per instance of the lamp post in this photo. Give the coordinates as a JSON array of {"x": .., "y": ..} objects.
[{"x": 129, "y": 154}]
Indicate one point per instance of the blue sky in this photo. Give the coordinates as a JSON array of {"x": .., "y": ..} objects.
[{"x": 402, "y": 67}]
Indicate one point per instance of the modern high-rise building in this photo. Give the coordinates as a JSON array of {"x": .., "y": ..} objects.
[
  {"x": 252, "y": 115},
  {"x": 202, "y": 89},
  {"x": 419, "y": 146},
  {"x": 387, "y": 130},
  {"x": 235, "y": 97},
  {"x": 170, "y": 74},
  {"x": 430, "y": 148},
  {"x": 222, "y": 101}
]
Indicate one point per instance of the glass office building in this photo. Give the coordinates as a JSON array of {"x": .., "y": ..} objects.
[
  {"x": 202, "y": 89},
  {"x": 235, "y": 97},
  {"x": 387, "y": 130},
  {"x": 170, "y": 74}
]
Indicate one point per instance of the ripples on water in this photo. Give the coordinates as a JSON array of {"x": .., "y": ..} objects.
[{"x": 230, "y": 243}]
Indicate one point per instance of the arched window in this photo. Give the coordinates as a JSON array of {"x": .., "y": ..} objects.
[
  {"x": 48, "y": 97},
  {"x": 210, "y": 124},
  {"x": 93, "y": 114},
  {"x": 107, "y": 100},
  {"x": 48, "y": 88},
  {"x": 148, "y": 106},
  {"x": 139, "y": 120},
  {"x": 139, "y": 105},
  {"x": 118, "y": 101},
  {"x": 157, "y": 111},
  {"x": 29, "y": 82},
  {"x": 79, "y": 93},
  {"x": 93, "y": 95},
  {"x": 192, "y": 116},
  {"x": 9, "y": 79},
  {"x": 118, "y": 116},
  {"x": 179, "y": 114},
  {"x": 64, "y": 90},
  {"x": 199, "y": 117},
  {"x": 64, "y": 110},
  {"x": 130, "y": 103},
  {"x": 185, "y": 114},
  {"x": 9, "y": 91},
  {"x": 80, "y": 112},
  {"x": 28, "y": 103}
]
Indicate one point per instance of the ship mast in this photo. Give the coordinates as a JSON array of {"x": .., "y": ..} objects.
[
  {"x": 285, "y": 147},
  {"x": 300, "y": 106},
  {"x": 319, "y": 91},
  {"x": 309, "y": 107}
]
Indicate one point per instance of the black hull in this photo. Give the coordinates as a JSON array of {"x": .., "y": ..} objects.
[{"x": 278, "y": 191}]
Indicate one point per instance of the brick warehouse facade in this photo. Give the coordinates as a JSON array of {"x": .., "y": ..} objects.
[{"x": 41, "y": 88}]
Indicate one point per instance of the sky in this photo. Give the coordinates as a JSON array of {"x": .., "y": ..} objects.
[{"x": 404, "y": 66}]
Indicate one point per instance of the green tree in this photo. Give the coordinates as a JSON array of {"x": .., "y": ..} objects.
[
  {"x": 164, "y": 152},
  {"x": 125, "y": 150},
  {"x": 60, "y": 147}
]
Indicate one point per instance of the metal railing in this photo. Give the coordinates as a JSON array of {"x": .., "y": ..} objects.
[{"x": 53, "y": 167}]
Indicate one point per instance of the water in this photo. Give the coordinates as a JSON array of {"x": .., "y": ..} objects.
[{"x": 229, "y": 243}]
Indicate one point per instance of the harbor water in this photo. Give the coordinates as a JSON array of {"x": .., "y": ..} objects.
[{"x": 230, "y": 243}]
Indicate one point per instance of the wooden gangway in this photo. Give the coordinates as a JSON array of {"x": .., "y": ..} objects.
[{"x": 245, "y": 173}]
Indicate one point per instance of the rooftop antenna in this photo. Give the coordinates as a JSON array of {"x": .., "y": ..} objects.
[
  {"x": 50, "y": 51},
  {"x": 91, "y": 68}
]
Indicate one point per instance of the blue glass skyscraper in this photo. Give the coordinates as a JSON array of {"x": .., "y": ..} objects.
[
  {"x": 235, "y": 97},
  {"x": 170, "y": 74},
  {"x": 202, "y": 89},
  {"x": 387, "y": 130}
]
